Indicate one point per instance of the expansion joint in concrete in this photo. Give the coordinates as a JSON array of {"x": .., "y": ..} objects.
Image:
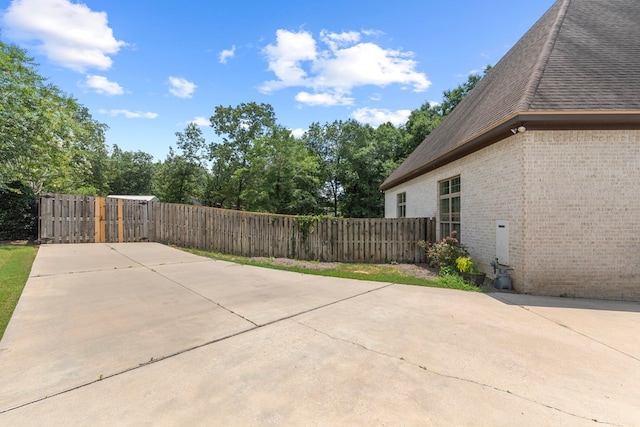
[{"x": 453, "y": 377}]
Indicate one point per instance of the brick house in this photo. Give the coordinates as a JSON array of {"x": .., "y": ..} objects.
[{"x": 539, "y": 165}]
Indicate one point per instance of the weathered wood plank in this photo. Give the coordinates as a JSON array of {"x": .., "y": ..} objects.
[{"x": 71, "y": 219}]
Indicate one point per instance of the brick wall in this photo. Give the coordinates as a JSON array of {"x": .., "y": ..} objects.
[
  {"x": 491, "y": 180},
  {"x": 582, "y": 198},
  {"x": 572, "y": 199}
]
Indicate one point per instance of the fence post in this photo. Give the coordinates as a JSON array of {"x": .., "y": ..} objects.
[
  {"x": 100, "y": 220},
  {"x": 62, "y": 219},
  {"x": 120, "y": 222}
]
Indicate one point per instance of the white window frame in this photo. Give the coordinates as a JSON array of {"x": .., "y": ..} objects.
[
  {"x": 449, "y": 206},
  {"x": 401, "y": 202}
]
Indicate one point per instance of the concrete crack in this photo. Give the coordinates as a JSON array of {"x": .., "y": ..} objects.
[
  {"x": 555, "y": 322},
  {"x": 454, "y": 377},
  {"x": 69, "y": 273},
  {"x": 188, "y": 289},
  {"x": 152, "y": 361},
  {"x": 155, "y": 360}
]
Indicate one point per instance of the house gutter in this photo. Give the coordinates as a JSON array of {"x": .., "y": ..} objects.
[{"x": 543, "y": 120}]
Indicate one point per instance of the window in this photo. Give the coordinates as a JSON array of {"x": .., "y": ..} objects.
[
  {"x": 402, "y": 205},
  {"x": 450, "y": 207}
]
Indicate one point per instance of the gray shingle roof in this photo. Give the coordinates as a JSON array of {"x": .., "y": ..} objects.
[{"x": 576, "y": 66}]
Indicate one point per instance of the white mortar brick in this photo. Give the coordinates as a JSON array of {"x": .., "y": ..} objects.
[
  {"x": 583, "y": 213},
  {"x": 490, "y": 189},
  {"x": 572, "y": 199}
]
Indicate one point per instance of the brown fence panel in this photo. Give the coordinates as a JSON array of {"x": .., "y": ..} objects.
[
  {"x": 66, "y": 219},
  {"x": 80, "y": 219},
  {"x": 127, "y": 220},
  {"x": 134, "y": 221}
]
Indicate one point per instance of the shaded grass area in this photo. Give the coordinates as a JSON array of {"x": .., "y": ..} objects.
[
  {"x": 15, "y": 265},
  {"x": 371, "y": 272}
]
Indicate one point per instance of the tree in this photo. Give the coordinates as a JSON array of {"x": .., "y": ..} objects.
[
  {"x": 89, "y": 155},
  {"x": 420, "y": 124},
  {"x": 289, "y": 181},
  {"x": 20, "y": 87},
  {"x": 453, "y": 97},
  {"x": 130, "y": 172},
  {"x": 325, "y": 142},
  {"x": 240, "y": 127},
  {"x": 182, "y": 178},
  {"x": 426, "y": 118},
  {"x": 354, "y": 160},
  {"x": 368, "y": 157},
  {"x": 18, "y": 212},
  {"x": 45, "y": 135},
  {"x": 357, "y": 173}
]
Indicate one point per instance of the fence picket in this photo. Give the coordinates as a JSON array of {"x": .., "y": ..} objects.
[{"x": 72, "y": 219}]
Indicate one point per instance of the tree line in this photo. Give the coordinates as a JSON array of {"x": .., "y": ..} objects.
[{"x": 50, "y": 143}]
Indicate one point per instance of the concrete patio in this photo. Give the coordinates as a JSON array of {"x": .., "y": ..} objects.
[{"x": 144, "y": 334}]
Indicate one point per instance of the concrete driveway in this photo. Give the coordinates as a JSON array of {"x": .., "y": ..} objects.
[{"x": 143, "y": 334}]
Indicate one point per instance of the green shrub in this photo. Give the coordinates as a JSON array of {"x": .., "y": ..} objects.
[
  {"x": 453, "y": 281},
  {"x": 466, "y": 265},
  {"x": 443, "y": 254},
  {"x": 18, "y": 212}
]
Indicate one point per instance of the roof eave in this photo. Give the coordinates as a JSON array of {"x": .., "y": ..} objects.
[{"x": 543, "y": 120}]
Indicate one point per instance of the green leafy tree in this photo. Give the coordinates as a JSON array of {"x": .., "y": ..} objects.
[
  {"x": 89, "y": 156},
  {"x": 368, "y": 158},
  {"x": 240, "y": 127},
  {"x": 373, "y": 162},
  {"x": 453, "y": 97},
  {"x": 176, "y": 180},
  {"x": 354, "y": 160},
  {"x": 130, "y": 172},
  {"x": 326, "y": 143},
  {"x": 47, "y": 140},
  {"x": 181, "y": 178},
  {"x": 21, "y": 93},
  {"x": 18, "y": 212},
  {"x": 426, "y": 118},
  {"x": 420, "y": 124},
  {"x": 289, "y": 180}
]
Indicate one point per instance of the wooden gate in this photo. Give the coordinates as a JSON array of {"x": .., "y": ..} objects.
[{"x": 82, "y": 219}]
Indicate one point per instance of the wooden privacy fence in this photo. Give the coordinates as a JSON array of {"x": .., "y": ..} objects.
[
  {"x": 82, "y": 219},
  {"x": 302, "y": 237},
  {"x": 75, "y": 219}
]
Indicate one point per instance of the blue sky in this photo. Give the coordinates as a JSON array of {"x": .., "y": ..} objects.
[{"x": 149, "y": 67}]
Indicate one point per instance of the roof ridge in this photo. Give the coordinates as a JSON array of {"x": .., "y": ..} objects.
[{"x": 543, "y": 58}]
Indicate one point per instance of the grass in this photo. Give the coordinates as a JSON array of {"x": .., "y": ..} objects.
[
  {"x": 15, "y": 265},
  {"x": 371, "y": 272}
]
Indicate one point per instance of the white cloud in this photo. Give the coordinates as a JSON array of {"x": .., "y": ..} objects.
[
  {"x": 129, "y": 114},
  {"x": 325, "y": 99},
  {"x": 226, "y": 54},
  {"x": 372, "y": 32},
  {"x": 433, "y": 104},
  {"x": 182, "y": 88},
  {"x": 103, "y": 86},
  {"x": 298, "y": 133},
  {"x": 200, "y": 121},
  {"x": 345, "y": 63},
  {"x": 336, "y": 40},
  {"x": 375, "y": 117},
  {"x": 69, "y": 34},
  {"x": 369, "y": 64},
  {"x": 285, "y": 59}
]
